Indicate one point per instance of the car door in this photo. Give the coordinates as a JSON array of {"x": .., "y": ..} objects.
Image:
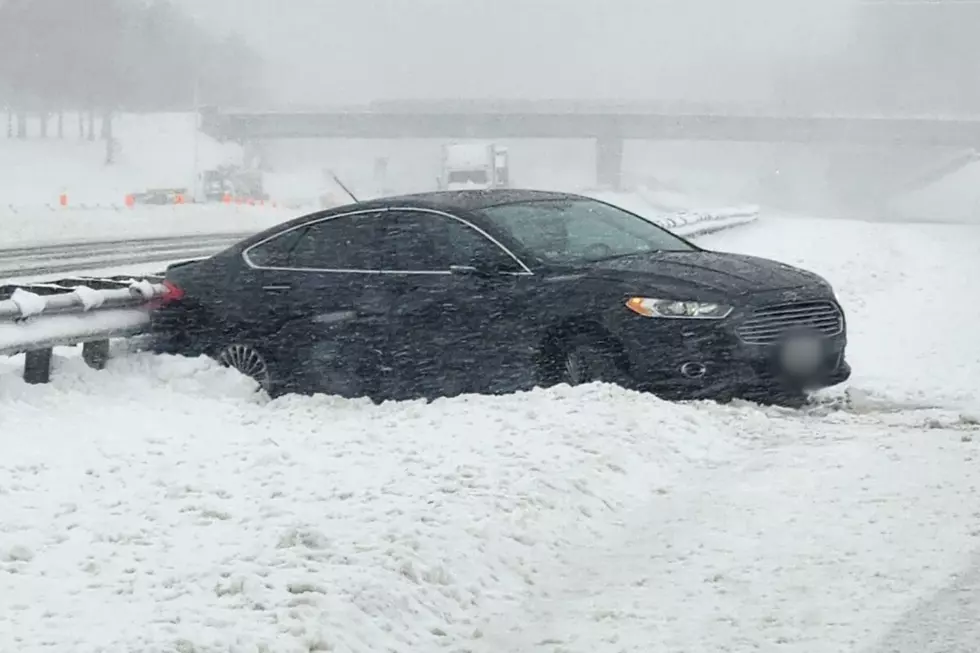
[
  {"x": 324, "y": 303},
  {"x": 460, "y": 316}
]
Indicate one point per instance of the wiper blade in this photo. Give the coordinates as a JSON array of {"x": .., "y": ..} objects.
[{"x": 627, "y": 255}]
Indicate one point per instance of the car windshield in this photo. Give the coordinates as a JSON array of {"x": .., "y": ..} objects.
[{"x": 580, "y": 230}]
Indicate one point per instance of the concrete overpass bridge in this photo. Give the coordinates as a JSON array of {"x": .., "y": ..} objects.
[{"x": 609, "y": 125}]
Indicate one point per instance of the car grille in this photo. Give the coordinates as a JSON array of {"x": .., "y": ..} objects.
[{"x": 768, "y": 325}]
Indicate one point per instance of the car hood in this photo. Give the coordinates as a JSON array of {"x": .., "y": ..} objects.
[{"x": 706, "y": 272}]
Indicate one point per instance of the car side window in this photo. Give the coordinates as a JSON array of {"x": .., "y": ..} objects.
[
  {"x": 420, "y": 241},
  {"x": 344, "y": 243}
]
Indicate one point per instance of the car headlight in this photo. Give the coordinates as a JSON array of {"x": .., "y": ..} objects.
[{"x": 672, "y": 308}]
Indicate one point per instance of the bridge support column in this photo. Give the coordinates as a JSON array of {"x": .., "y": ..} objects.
[
  {"x": 609, "y": 161},
  {"x": 255, "y": 155}
]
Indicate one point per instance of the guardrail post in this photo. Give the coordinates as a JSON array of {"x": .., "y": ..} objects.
[
  {"x": 37, "y": 366},
  {"x": 96, "y": 353}
]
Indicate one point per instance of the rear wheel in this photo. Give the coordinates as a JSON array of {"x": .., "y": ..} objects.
[{"x": 249, "y": 361}]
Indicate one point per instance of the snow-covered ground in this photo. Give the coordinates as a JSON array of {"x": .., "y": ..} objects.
[
  {"x": 159, "y": 150},
  {"x": 155, "y": 151},
  {"x": 847, "y": 527},
  {"x": 953, "y": 197},
  {"x": 48, "y": 226},
  {"x": 907, "y": 290},
  {"x": 161, "y": 505}
]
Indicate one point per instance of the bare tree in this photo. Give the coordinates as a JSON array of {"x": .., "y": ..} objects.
[{"x": 99, "y": 56}]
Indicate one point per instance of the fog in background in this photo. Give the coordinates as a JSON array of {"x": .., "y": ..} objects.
[
  {"x": 916, "y": 55},
  {"x": 905, "y": 57},
  {"x": 802, "y": 57},
  {"x": 344, "y": 51}
]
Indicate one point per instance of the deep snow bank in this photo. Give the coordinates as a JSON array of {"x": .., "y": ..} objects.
[
  {"x": 833, "y": 533},
  {"x": 903, "y": 287},
  {"x": 159, "y": 506},
  {"x": 180, "y": 509}
]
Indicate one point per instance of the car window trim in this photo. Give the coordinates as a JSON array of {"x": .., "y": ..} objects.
[
  {"x": 251, "y": 264},
  {"x": 305, "y": 225},
  {"x": 415, "y": 209}
]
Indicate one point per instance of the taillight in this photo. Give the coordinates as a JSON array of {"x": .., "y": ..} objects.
[{"x": 173, "y": 293}]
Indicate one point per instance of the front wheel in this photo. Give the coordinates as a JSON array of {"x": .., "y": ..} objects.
[
  {"x": 587, "y": 359},
  {"x": 783, "y": 397}
]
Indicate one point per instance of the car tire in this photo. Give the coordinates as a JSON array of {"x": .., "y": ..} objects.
[
  {"x": 782, "y": 397},
  {"x": 587, "y": 359},
  {"x": 249, "y": 361}
]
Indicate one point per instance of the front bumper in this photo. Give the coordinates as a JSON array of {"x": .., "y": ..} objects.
[{"x": 695, "y": 359}]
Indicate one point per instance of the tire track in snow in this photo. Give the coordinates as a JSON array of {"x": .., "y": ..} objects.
[{"x": 947, "y": 622}]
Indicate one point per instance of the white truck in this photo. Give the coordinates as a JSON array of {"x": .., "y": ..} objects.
[{"x": 474, "y": 166}]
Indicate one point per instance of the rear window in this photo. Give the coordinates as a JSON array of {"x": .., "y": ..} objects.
[{"x": 275, "y": 253}]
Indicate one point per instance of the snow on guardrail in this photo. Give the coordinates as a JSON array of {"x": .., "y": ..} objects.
[
  {"x": 32, "y": 323},
  {"x": 24, "y": 304},
  {"x": 690, "y": 225},
  {"x": 687, "y": 222}
]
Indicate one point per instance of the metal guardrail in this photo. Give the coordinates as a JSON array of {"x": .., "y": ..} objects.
[
  {"x": 33, "y": 323},
  {"x": 35, "y": 318},
  {"x": 694, "y": 224}
]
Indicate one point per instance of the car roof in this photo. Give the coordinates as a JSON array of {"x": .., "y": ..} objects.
[
  {"x": 465, "y": 202},
  {"x": 459, "y": 200}
]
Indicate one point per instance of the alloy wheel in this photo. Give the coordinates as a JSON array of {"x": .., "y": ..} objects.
[{"x": 249, "y": 362}]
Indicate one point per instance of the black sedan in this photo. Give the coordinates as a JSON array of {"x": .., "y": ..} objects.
[{"x": 496, "y": 291}]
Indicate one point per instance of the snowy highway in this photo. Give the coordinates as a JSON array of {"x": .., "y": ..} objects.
[
  {"x": 37, "y": 262},
  {"x": 162, "y": 505}
]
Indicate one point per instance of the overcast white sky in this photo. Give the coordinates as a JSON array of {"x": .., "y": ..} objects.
[{"x": 351, "y": 51}]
